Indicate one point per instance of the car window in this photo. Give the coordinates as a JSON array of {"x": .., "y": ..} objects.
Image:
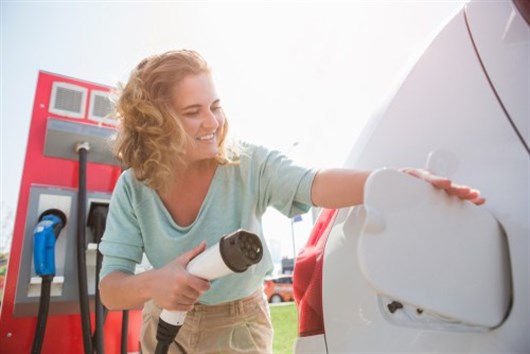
[{"x": 283, "y": 280}]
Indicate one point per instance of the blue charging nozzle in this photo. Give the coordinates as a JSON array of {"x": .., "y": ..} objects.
[{"x": 50, "y": 224}]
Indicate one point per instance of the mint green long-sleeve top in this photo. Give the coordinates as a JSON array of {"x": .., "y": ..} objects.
[{"x": 138, "y": 222}]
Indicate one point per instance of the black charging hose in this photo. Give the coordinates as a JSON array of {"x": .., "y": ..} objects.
[
  {"x": 101, "y": 314},
  {"x": 97, "y": 219},
  {"x": 165, "y": 335},
  {"x": 42, "y": 318},
  {"x": 124, "y": 331},
  {"x": 82, "y": 150}
]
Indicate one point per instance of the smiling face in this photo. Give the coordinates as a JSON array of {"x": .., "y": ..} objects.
[{"x": 199, "y": 110}]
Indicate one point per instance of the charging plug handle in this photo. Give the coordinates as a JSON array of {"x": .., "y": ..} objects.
[
  {"x": 237, "y": 251},
  {"x": 50, "y": 224}
]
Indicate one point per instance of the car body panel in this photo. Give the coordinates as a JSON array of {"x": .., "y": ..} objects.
[
  {"x": 502, "y": 40},
  {"x": 415, "y": 248},
  {"x": 312, "y": 344},
  {"x": 444, "y": 116}
]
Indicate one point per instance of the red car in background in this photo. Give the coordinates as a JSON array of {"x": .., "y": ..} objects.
[{"x": 279, "y": 289}]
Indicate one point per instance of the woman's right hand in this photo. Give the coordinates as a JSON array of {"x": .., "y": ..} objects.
[{"x": 174, "y": 288}]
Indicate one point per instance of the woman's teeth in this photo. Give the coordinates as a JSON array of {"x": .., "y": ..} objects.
[{"x": 206, "y": 137}]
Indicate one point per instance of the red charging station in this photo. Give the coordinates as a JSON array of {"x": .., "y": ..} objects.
[{"x": 65, "y": 111}]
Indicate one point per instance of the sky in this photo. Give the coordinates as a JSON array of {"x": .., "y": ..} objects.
[{"x": 299, "y": 76}]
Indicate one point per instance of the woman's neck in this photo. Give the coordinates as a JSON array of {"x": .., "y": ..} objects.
[
  {"x": 198, "y": 168},
  {"x": 188, "y": 192}
]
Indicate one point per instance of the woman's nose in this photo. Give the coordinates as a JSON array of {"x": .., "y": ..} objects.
[{"x": 211, "y": 121}]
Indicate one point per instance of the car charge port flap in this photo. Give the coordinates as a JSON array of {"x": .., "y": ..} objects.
[{"x": 422, "y": 247}]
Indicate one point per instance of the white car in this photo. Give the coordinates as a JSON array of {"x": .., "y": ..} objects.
[{"x": 413, "y": 270}]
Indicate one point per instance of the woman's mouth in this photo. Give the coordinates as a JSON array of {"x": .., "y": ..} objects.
[{"x": 207, "y": 137}]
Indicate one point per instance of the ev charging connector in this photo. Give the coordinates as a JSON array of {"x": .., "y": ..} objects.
[
  {"x": 234, "y": 253},
  {"x": 50, "y": 224}
]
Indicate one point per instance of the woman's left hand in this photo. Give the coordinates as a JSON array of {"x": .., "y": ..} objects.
[{"x": 460, "y": 191}]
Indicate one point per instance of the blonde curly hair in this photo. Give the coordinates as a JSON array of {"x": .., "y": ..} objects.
[{"x": 151, "y": 140}]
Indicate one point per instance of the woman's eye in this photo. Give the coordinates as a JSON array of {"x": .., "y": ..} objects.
[{"x": 191, "y": 113}]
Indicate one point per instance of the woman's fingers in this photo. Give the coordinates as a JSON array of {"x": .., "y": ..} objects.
[
  {"x": 478, "y": 200},
  {"x": 188, "y": 256},
  {"x": 177, "y": 307},
  {"x": 189, "y": 290},
  {"x": 176, "y": 288},
  {"x": 460, "y": 191},
  {"x": 184, "y": 298},
  {"x": 466, "y": 193},
  {"x": 194, "y": 288}
]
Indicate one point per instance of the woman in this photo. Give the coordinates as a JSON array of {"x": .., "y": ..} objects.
[{"x": 183, "y": 190}]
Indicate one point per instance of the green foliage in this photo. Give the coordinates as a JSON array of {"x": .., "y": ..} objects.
[
  {"x": 3, "y": 269},
  {"x": 3, "y": 263},
  {"x": 285, "y": 324}
]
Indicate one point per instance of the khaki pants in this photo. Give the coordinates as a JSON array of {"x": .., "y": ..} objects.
[{"x": 241, "y": 326}]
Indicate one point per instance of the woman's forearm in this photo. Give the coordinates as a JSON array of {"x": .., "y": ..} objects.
[
  {"x": 338, "y": 188},
  {"x": 121, "y": 291},
  {"x": 171, "y": 286}
]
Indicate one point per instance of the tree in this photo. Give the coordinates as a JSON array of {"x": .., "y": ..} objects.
[{"x": 7, "y": 221}]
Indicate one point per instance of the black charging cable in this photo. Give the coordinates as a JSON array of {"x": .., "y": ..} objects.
[
  {"x": 97, "y": 219},
  {"x": 82, "y": 150},
  {"x": 50, "y": 224}
]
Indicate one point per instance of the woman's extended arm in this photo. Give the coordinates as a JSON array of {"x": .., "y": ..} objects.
[
  {"x": 339, "y": 188},
  {"x": 171, "y": 287}
]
